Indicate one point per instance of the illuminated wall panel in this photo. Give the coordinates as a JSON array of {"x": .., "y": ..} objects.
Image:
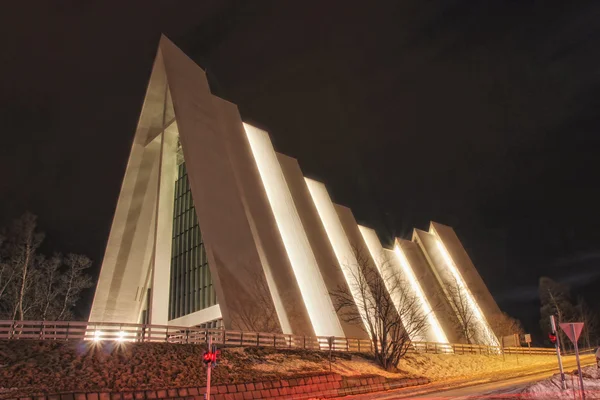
[
  {"x": 435, "y": 332},
  {"x": 279, "y": 274},
  {"x": 232, "y": 253},
  {"x": 161, "y": 276},
  {"x": 328, "y": 264},
  {"x": 449, "y": 276},
  {"x": 337, "y": 236},
  {"x": 314, "y": 292},
  {"x": 467, "y": 270},
  {"x": 431, "y": 287},
  {"x": 393, "y": 264},
  {"x": 127, "y": 263}
]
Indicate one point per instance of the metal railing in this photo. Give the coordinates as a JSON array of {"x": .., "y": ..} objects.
[{"x": 140, "y": 333}]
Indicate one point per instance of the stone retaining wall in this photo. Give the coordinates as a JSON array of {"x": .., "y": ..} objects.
[{"x": 318, "y": 386}]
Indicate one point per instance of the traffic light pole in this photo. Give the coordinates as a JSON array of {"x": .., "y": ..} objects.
[
  {"x": 557, "y": 344},
  {"x": 208, "y": 370}
]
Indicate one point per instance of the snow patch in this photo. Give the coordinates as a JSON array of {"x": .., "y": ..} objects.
[{"x": 551, "y": 388}]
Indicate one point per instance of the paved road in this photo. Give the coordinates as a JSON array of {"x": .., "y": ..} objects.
[
  {"x": 482, "y": 390},
  {"x": 485, "y": 390}
]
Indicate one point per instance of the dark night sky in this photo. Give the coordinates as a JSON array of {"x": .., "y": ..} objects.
[{"x": 477, "y": 114}]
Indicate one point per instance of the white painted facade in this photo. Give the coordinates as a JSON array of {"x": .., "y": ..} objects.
[{"x": 263, "y": 225}]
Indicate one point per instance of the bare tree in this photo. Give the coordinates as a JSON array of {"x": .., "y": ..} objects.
[
  {"x": 591, "y": 323},
  {"x": 48, "y": 288},
  {"x": 23, "y": 295},
  {"x": 468, "y": 322},
  {"x": 465, "y": 323},
  {"x": 504, "y": 325},
  {"x": 555, "y": 299},
  {"x": 22, "y": 243},
  {"x": 31, "y": 285},
  {"x": 257, "y": 314},
  {"x": 381, "y": 305},
  {"x": 8, "y": 270},
  {"x": 73, "y": 282}
]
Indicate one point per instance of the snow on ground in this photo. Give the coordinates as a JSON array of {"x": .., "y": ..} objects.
[
  {"x": 436, "y": 367},
  {"x": 551, "y": 388},
  {"x": 439, "y": 367},
  {"x": 290, "y": 364}
]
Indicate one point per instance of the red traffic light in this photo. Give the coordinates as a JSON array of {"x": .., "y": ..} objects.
[
  {"x": 552, "y": 338},
  {"x": 210, "y": 357}
]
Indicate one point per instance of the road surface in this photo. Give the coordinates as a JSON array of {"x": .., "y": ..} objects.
[{"x": 486, "y": 390}]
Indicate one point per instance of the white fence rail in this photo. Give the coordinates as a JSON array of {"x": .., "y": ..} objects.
[{"x": 109, "y": 331}]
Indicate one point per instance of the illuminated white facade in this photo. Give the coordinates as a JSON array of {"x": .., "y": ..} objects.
[{"x": 212, "y": 224}]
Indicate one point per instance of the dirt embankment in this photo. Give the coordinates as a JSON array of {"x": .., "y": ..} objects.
[{"x": 53, "y": 367}]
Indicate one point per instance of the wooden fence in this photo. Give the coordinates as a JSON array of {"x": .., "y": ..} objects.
[{"x": 140, "y": 333}]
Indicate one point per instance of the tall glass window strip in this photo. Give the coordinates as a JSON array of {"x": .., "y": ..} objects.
[{"x": 191, "y": 283}]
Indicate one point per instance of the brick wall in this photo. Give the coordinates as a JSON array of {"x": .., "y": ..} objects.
[{"x": 317, "y": 386}]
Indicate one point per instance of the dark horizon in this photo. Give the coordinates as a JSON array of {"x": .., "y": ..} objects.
[{"x": 478, "y": 116}]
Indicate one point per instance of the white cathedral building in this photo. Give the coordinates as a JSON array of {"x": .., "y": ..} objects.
[{"x": 209, "y": 213}]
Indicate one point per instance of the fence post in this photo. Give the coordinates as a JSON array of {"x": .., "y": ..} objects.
[
  {"x": 67, "y": 332},
  {"x": 274, "y": 340},
  {"x": 143, "y": 332},
  {"x": 290, "y": 341},
  {"x": 359, "y": 345},
  {"x": 304, "y": 342},
  {"x": 241, "y": 338},
  {"x": 187, "y": 336},
  {"x": 257, "y": 339}
]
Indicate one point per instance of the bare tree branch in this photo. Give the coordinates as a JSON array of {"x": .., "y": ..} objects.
[
  {"x": 504, "y": 325},
  {"x": 33, "y": 286},
  {"x": 257, "y": 314},
  {"x": 467, "y": 322},
  {"x": 73, "y": 282},
  {"x": 368, "y": 302}
]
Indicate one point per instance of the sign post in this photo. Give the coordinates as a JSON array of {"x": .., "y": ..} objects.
[
  {"x": 330, "y": 341},
  {"x": 557, "y": 345},
  {"x": 528, "y": 341},
  {"x": 208, "y": 369},
  {"x": 573, "y": 330},
  {"x": 209, "y": 358}
]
